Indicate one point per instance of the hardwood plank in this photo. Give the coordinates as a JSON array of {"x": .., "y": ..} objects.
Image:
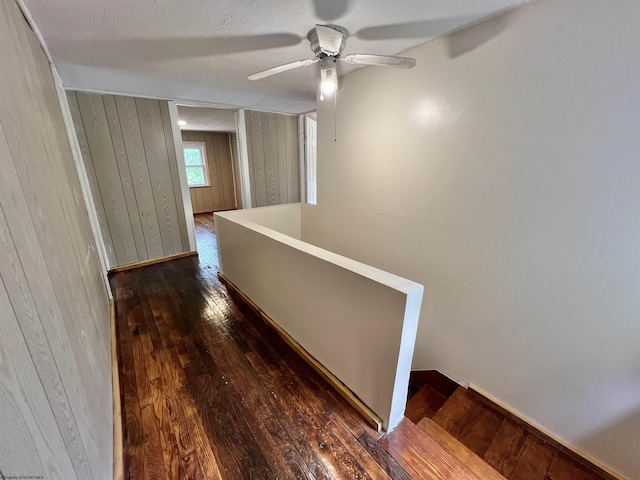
[
  {"x": 386, "y": 461},
  {"x": 195, "y": 451},
  {"x": 369, "y": 465},
  {"x": 423, "y": 457},
  {"x": 456, "y": 449},
  {"x": 257, "y": 413},
  {"x": 565, "y": 468},
  {"x": 517, "y": 454},
  {"x": 133, "y": 433},
  {"x": 153, "y": 457},
  {"x": 139, "y": 168},
  {"x": 424, "y": 404},
  {"x": 469, "y": 420}
]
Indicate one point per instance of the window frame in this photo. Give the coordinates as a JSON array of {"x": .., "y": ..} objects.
[{"x": 205, "y": 170}]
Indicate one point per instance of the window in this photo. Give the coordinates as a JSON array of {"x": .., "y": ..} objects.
[{"x": 196, "y": 165}]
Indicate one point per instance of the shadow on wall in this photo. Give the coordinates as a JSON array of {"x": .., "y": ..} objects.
[{"x": 473, "y": 37}]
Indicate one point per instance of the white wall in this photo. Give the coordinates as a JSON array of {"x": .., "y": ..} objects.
[
  {"x": 281, "y": 218},
  {"x": 358, "y": 321},
  {"x": 503, "y": 173}
]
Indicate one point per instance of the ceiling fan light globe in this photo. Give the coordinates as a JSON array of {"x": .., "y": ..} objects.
[{"x": 328, "y": 87}]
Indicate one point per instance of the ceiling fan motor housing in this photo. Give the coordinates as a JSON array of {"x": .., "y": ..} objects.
[{"x": 312, "y": 36}]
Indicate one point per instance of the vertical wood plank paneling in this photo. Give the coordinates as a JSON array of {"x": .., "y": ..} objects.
[
  {"x": 217, "y": 197},
  {"x": 270, "y": 157},
  {"x": 30, "y": 444},
  {"x": 210, "y": 197},
  {"x": 139, "y": 168},
  {"x": 91, "y": 176},
  {"x": 293, "y": 158},
  {"x": 194, "y": 205},
  {"x": 227, "y": 170},
  {"x": 50, "y": 275},
  {"x": 289, "y": 154},
  {"x": 75, "y": 271},
  {"x": 220, "y": 194},
  {"x": 161, "y": 180},
  {"x": 281, "y": 149},
  {"x": 115, "y": 130},
  {"x": 251, "y": 158},
  {"x": 104, "y": 162},
  {"x": 219, "y": 153},
  {"x": 272, "y": 147},
  {"x": 235, "y": 167},
  {"x": 257, "y": 144},
  {"x": 175, "y": 177},
  {"x": 31, "y": 324}
]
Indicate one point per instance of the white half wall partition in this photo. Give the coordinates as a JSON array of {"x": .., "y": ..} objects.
[{"x": 356, "y": 320}]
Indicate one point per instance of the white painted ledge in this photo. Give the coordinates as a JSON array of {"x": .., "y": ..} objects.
[{"x": 360, "y": 322}]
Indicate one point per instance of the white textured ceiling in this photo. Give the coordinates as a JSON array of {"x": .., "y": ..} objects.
[
  {"x": 207, "y": 119},
  {"x": 203, "y": 50}
]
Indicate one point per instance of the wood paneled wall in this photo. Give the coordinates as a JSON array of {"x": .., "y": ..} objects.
[
  {"x": 220, "y": 195},
  {"x": 130, "y": 158},
  {"x": 272, "y": 145},
  {"x": 55, "y": 364}
]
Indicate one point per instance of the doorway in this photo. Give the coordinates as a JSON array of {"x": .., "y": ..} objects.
[{"x": 209, "y": 144}]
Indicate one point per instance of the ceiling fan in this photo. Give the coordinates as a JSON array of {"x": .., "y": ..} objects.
[{"x": 327, "y": 43}]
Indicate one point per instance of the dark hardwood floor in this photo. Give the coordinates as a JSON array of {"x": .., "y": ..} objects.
[{"x": 210, "y": 391}]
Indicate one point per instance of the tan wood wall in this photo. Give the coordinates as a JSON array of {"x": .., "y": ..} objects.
[
  {"x": 220, "y": 195},
  {"x": 272, "y": 146},
  {"x": 55, "y": 365},
  {"x": 233, "y": 138},
  {"x": 128, "y": 151}
]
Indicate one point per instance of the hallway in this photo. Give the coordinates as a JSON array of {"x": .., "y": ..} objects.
[{"x": 210, "y": 391}]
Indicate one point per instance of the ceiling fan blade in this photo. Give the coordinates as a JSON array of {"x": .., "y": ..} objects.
[
  {"x": 282, "y": 68},
  {"x": 330, "y": 39},
  {"x": 330, "y": 10},
  {"x": 380, "y": 60}
]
